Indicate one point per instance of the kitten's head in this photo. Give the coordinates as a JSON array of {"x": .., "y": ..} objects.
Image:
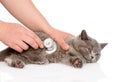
[{"x": 88, "y": 47}]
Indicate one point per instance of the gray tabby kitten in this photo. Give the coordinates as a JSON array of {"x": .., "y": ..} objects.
[{"x": 83, "y": 49}]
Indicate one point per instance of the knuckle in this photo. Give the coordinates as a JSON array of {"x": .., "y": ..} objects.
[
  {"x": 11, "y": 44},
  {"x": 39, "y": 41},
  {"x": 33, "y": 44},
  {"x": 62, "y": 43},
  {"x": 33, "y": 35},
  {"x": 25, "y": 47},
  {"x": 18, "y": 49}
]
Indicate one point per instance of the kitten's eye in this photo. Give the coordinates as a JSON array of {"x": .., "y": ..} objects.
[{"x": 97, "y": 54}]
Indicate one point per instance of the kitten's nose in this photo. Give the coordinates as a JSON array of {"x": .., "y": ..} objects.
[{"x": 92, "y": 57}]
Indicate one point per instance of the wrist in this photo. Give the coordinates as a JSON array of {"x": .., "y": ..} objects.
[
  {"x": 49, "y": 31},
  {"x": 2, "y": 27},
  {"x": 1, "y": 23}
]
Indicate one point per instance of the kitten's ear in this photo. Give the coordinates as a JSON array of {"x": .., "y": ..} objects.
[
  {"x": 84, "y": 35},
  {"x": 103, "y": 45}
]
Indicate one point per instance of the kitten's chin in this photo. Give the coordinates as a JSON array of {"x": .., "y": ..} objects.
[{"x": 91, "y": 61}]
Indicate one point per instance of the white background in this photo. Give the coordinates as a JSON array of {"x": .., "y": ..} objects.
[{"x": 100, "y": 18}]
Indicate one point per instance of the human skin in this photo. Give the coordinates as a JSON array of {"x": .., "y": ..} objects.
[
  {"x": 29, "y": 16},
  {"x": 16, "y": 36}
]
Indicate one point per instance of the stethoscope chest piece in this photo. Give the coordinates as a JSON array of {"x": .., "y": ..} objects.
[{"x": 50, "y": 46}]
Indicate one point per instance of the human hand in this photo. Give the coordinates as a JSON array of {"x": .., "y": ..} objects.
[
  {"x": 60, "y": 37},
  {"x": 17, "y": 37}
]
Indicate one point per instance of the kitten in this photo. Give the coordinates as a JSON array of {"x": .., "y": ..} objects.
[{"x": 83, "y": 49}]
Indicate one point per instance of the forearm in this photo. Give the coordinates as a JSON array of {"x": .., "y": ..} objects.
[
  {"x": 26, "y": 13},
  {"x": 1, "y": 27}
]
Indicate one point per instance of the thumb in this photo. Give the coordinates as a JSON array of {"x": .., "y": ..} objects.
[{"x": 63, "y": 45}]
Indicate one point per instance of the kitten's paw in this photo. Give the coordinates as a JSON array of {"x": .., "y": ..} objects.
[
  {"x": 14, "y": 63},
  {"x": 77, "y": 63},
  {"x": 17, "y": 64}
]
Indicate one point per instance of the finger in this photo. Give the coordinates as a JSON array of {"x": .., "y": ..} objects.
[
  {"x": 35, "y": 38},
  {"x": 23, "y": 45},
  {"x": 31, "y": 42},
  {"x": 38, "y": 41},
  {"x": 69, "y": 36},
  {"x": 63, "y": 45},
  {"x": 17, "y": 48},
  {"x": 14, "y": 46}
]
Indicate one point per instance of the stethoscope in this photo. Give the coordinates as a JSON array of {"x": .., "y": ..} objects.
[{"x": 50, "y": 45}]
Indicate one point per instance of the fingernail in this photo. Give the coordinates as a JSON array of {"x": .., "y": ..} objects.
[
  {"x": 66, "y": 47},
  {"x": 41, "y": 46}
]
